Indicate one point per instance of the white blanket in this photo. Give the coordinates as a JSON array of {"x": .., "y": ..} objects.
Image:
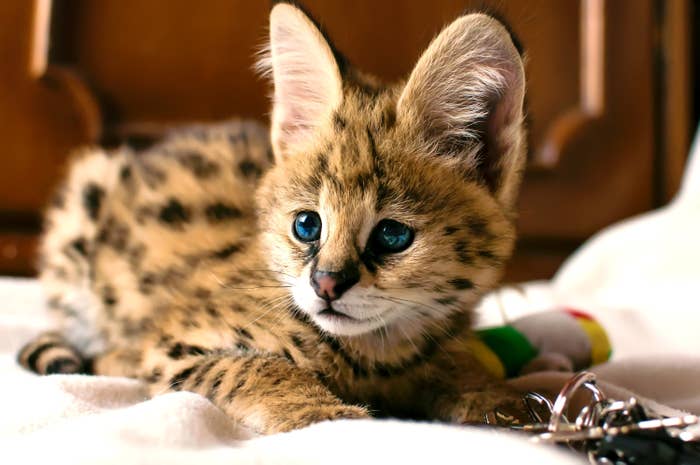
[{"x": 639, "y": 279}]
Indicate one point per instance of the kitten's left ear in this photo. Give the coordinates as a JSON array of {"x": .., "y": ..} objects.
[
  {"x": 465, "y": 98},
  {"x": 306, "y": 76}
]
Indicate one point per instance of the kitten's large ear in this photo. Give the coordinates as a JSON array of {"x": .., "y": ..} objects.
[
  {"x": 465, "y": 100},
  {"x": 306, "y": 77}
]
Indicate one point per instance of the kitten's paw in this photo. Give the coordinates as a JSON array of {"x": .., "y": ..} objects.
[
  {"x": 307, "y": 416},
  {"x": 51, "y": 354},
  {"x": 502, "y": 409}
]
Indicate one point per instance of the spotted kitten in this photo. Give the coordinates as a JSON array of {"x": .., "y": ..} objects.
[{"x": 329, "y": 276}]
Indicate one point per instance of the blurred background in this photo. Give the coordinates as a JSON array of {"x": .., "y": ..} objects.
[{"x": 612, "y": 99}]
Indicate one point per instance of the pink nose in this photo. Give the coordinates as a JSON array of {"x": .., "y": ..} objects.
[
  {"x": 326, "y": 287},
  {"x": 330, "y": 285}
]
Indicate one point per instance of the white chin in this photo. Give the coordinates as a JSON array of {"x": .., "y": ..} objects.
[{"x": 345, "y": 326}]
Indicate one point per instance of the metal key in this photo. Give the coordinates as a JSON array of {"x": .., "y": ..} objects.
[{"x": 619, "y": 432}]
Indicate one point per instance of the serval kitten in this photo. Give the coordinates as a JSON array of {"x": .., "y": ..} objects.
[{"x": 328, "y": 273}]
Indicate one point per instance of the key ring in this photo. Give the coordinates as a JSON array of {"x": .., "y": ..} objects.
[{"x": 584, "y": 379}]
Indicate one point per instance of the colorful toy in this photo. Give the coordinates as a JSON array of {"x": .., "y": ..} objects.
[{"x": 561, "y": 340}]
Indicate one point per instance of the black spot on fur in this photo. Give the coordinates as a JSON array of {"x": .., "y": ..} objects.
[
  {"x": 226, "y": 251},
  {"x": 92, "y": 200},
  {"x": 190, "y": 323},
  {"x": 236, "y": 308},
  {"x": 461, "y": 283},
  {"x": 234, "y": 390},
  {"x": 155, "y": 376},
  {"x": 197, "y": 164},
  {"x": 288, "y": 356},
  {"x": 177, "y": 351},
  {"x": 146, "y": 283},
  {"x": 211, "y": 310},
  {"x": 203, "y": 372},
  {"x": 114, "y": 234},
  {"x": 463, "y": 253},
  {"x": 322, "y": 164},
  {"x": 202, "y": 293},
  {"x": 249, "y": 169},
  {"x": 487, "y": 254},
  {"x": 242, "y": 346},
  {"x": 216, "y": 383},
  {"x": 339, "y": 122},
  {"x": 297, "y": 341},
  {"x": 180, "y": 350},
  {"x": 181, "y": 377},
  {"x": 174, "y": 213},
  {"x": 125, "y": 173},
  {"x": 243, "y": 332},
  {"x": 80, "y": 245},
  {"x": 219, "y": 212},
  {"x": 109, "y": 296},
  {"x": 477, "y": 226},
  {"x": 450, "y": 230}
]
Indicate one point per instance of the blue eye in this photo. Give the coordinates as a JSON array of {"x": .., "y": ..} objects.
[
  {"x": 307, "y": 226},
  {"x": 390, "y": 236}
]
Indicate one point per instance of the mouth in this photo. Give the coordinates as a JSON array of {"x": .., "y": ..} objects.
[
  {"x": 330, "y": 312},
  {"x": 341, "y": 324}
]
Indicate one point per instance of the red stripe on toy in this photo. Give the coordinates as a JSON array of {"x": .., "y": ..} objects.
[{"x": 578, "y": 314}]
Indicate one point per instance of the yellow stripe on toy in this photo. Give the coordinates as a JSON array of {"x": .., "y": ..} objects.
[
  {"x": 600, "y": 344},
  {"x": 486, "y": 357}
]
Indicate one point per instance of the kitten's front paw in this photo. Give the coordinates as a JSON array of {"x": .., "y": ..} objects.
[
  {"x": 307, "y": 416},
  {"x": 503, "y": 409}
]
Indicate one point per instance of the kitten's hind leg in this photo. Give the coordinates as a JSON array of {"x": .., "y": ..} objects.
[{"x": 50, "y": 353}]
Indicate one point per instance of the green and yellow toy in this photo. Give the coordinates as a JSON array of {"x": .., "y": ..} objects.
[{"x": 561, "y": 340}]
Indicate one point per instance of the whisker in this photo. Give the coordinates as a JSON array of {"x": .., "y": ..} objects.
[
  {"x": 269, "y": 271},
  {"x": 409, "y": 338},
  {"x": 274, "y": 307},
  {"x": 398, "y": 300},
  {"x": 264, "y": 286},
  {"x": 437, "y": 323}
]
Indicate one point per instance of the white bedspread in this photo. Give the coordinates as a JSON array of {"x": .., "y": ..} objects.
[{"x": 639, "y": 278}]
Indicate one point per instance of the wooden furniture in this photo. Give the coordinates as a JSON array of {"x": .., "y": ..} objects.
[{"x": 608, "y": 95}]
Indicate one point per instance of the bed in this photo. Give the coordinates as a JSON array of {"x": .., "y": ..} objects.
[{"x": 639, "y": 278}]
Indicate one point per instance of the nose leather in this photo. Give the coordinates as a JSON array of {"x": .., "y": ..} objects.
[{"x": 330, "y": 285}]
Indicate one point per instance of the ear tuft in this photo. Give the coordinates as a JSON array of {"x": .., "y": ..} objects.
[
  {"x": 465, "y": 100},
  {"x": 306, "y": 77}
]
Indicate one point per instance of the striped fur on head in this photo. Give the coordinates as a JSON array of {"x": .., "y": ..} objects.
[{"x": 441, "y": 152}]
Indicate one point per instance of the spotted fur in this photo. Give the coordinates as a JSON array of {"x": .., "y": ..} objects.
[{"x": 179, "y": 266}]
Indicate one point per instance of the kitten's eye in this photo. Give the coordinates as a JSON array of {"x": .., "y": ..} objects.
[
  {"x": 390, "y": 236},
  {"x": 307, "y": 226}
]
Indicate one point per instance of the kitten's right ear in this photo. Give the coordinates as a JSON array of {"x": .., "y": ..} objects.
[
  {"x": 306, "y": 77},
  {"x": 464, "y": 99}
]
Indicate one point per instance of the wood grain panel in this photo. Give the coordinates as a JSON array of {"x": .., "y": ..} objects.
[
  {"x": 151, "y": 64},
  {"x": 44, "y": 111}
]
